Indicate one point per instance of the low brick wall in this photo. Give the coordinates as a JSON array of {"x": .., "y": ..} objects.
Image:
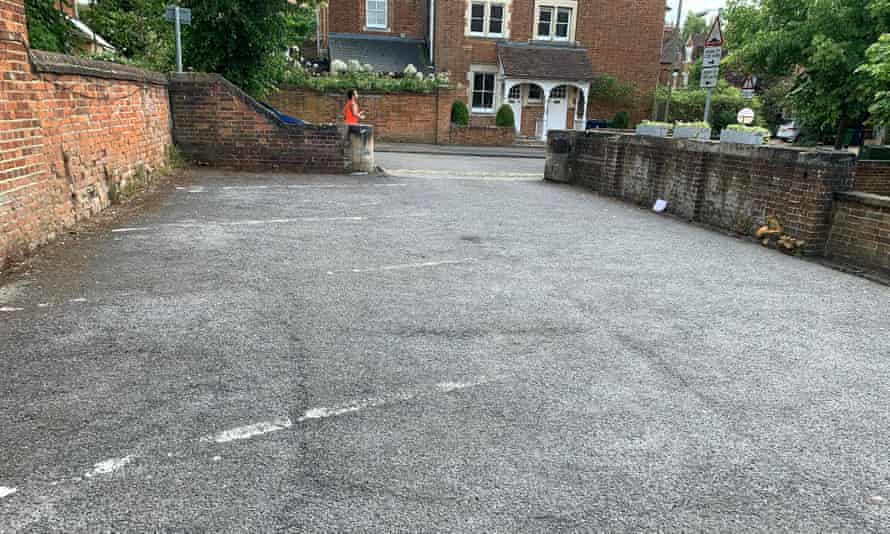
[
  {"x": 872, "y": 176},
  {"x": 399, "y": 117},
  {"x": 860, "y": 231},
  {"x": 733, "y": 187},
  {"x": 481, "y": 135},
  {"x": 215, "y": 122}
]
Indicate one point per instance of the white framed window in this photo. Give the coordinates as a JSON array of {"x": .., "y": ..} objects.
[
  {"x": 558, "y": 92},
  {"x": 483, "y": 92},
  {"x": 555, "y": 20},
  {"x": 376, "y": 14},
  {"x": 487, "y": 19},
  {"x": 515, "y": 94},
  {"x": 535, "y": 94}
]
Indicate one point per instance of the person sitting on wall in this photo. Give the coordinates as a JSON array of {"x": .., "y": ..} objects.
[{"x": 351, "y": 113}]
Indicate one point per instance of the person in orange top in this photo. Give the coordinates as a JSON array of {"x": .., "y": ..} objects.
[{"x": 351, "y": 113}]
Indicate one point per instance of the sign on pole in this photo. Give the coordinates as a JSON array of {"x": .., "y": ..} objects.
[
  {"x": 748, "y": 88},
  {"x": 185, "y": 15},
  {"x": 710, "y": 72},
  {"x": 712, "y": 56},
  {"x": 709, "y": 77},
  {"x": 178, "y": 16},
  {"x": 745, "y": 116}
]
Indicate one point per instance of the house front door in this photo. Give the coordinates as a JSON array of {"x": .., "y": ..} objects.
[{"x": 557, "y": 108}]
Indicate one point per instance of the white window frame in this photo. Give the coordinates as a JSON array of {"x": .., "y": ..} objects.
[
  {"x": 486, "y": 23},
  {"x": 535, "y": 101},
  {"x": 385, "y": 25},
  {"x": 555, "y": 6},
  {"x": 493, "y": 72}
]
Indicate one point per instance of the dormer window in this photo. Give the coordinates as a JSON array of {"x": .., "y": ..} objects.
[{"x": 487, "y": 19}]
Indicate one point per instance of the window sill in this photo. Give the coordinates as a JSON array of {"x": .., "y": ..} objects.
[
  {"x": 376, "y": 29},
  {"x": 493, "y": 36},
  {"x": 477, "y": 111}
]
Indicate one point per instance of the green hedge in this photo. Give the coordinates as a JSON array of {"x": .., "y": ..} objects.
[
  {"x": 505, "y": 118},
  {"x": 689, "y": 105},
  {"x": 459, "y": 113},
  {"x": 361, "y": 81}
]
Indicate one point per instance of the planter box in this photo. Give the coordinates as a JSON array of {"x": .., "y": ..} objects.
[
  {"x": 653, "y": 131},
  {"x": 692, "y": 132},
  {"x": 741, "y": 138}
]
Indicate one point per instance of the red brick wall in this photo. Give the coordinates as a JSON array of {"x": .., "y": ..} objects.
[
  {"x": 860, "y": 231},
  {"x": 872, "y": 176},
  {"x": 405, "y": 16},
  {"x": 482, "y": 135},
  {"x": 215, "y": 122},
  {"x": 733, "y": 187},
  {"x": 67, "y": 139},
  {"x": 401, "y": 117}
]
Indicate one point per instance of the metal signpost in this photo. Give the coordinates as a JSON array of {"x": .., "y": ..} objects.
[
  {"x": 178, "y": 16},
  {"x": 711, "y": 63}
]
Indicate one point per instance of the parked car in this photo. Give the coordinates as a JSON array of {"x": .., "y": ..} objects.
[{"x": 789, "y": 131}]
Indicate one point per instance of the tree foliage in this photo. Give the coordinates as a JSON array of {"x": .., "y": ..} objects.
[
  {"x": 244, "y": 40},
  {"x": 821, "y": 43},
  {"x": 136, "y": 28},
  {"x": 48, "y": 28},
  {"x": 694, "y": 24},
  {"x": 505, "y": 117},
  {"x": 877, "y": 67},
  {"x": 688, "y": 105},
  {"x": 459, "y": 113}
]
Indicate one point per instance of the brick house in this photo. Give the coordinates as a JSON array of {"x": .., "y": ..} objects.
[{"x": 538, "y": 56}]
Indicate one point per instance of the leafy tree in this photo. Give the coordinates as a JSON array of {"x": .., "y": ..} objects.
[
  {"x": 136, "y": 28},
  {"x": 621, "y": 120},
  {"x": 244, "y": 40},
  {"x": 48, "y": 28},
  {"x": 878, "y": 69},
  {"x": 821, "y": 43},
  {"x": 504, "y": 117},
  {"x": 694, "y": 24}
]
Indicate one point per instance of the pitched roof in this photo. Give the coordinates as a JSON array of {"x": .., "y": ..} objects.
[
  {"x": 385, "y": 53},
  {"x": 544, "y": 62}
]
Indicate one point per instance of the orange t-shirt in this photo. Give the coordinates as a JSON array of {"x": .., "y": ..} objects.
[{"x": 348, "y": 116}]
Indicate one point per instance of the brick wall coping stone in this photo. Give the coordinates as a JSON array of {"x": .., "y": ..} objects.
[
  {"x": 210, "y": 78},
  {"x": 816, "y": 156},
  {"x": 376, "y": 92},
  {"x": 52, "y": 63},
  {"x": 868, "y": 199}
]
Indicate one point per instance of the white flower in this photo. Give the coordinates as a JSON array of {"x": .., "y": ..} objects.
[
  {"x": 410, "y": 70},
  {"x": 354, "y": 66},
  {"x": 338, "y": 66}
]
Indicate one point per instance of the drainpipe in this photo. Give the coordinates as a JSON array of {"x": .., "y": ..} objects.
[
  {"x": 432, "y": 31},
  {"x": 317, "y": 31}
]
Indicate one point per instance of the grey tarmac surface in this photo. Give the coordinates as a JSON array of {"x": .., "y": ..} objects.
[{"x": 431, "y": 353}]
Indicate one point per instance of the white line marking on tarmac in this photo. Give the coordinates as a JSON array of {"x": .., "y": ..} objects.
[
  {"x": 81, "y": 299},
  {"x": 308, "y": 186},
  {"x": 249, "y": 431},
  {"x": 6, "y": 492},
  {"x": 256, "y": 222},
  {"x": 10, "y": 309},
  {"x": 403, "y": 266},
  {"x": 109, "y": 466},
  {"x": 453, "y": 386}
]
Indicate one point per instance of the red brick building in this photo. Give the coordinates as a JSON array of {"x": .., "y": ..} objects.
[{"x": 539, "y": 56}]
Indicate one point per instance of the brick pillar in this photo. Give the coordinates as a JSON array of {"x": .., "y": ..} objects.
[{"x": 23, "y": 219}]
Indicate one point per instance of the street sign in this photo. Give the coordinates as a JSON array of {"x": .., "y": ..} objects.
[
  {"x": 185, "y": 15},
  {"x": 709, "y": 77},
  {"x": 746, "y": 116},
  {"x": 748, "y": 88},
  {"x": 715, "y": 36},
  {"x": 712, "y": 56}
]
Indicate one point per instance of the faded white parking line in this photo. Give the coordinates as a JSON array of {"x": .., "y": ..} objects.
[
  {"x": 249, "y": 431},
  {"x": 10, "y": 309},
  {"x": 6, "y": 492},
  {"x": 108, "y": 466},
  {"x": 257, "y": 222},
  {"x": 404, "y": 266},
  {"x": 308, "y": 186},
  {"x": 454, "y": 386}
]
